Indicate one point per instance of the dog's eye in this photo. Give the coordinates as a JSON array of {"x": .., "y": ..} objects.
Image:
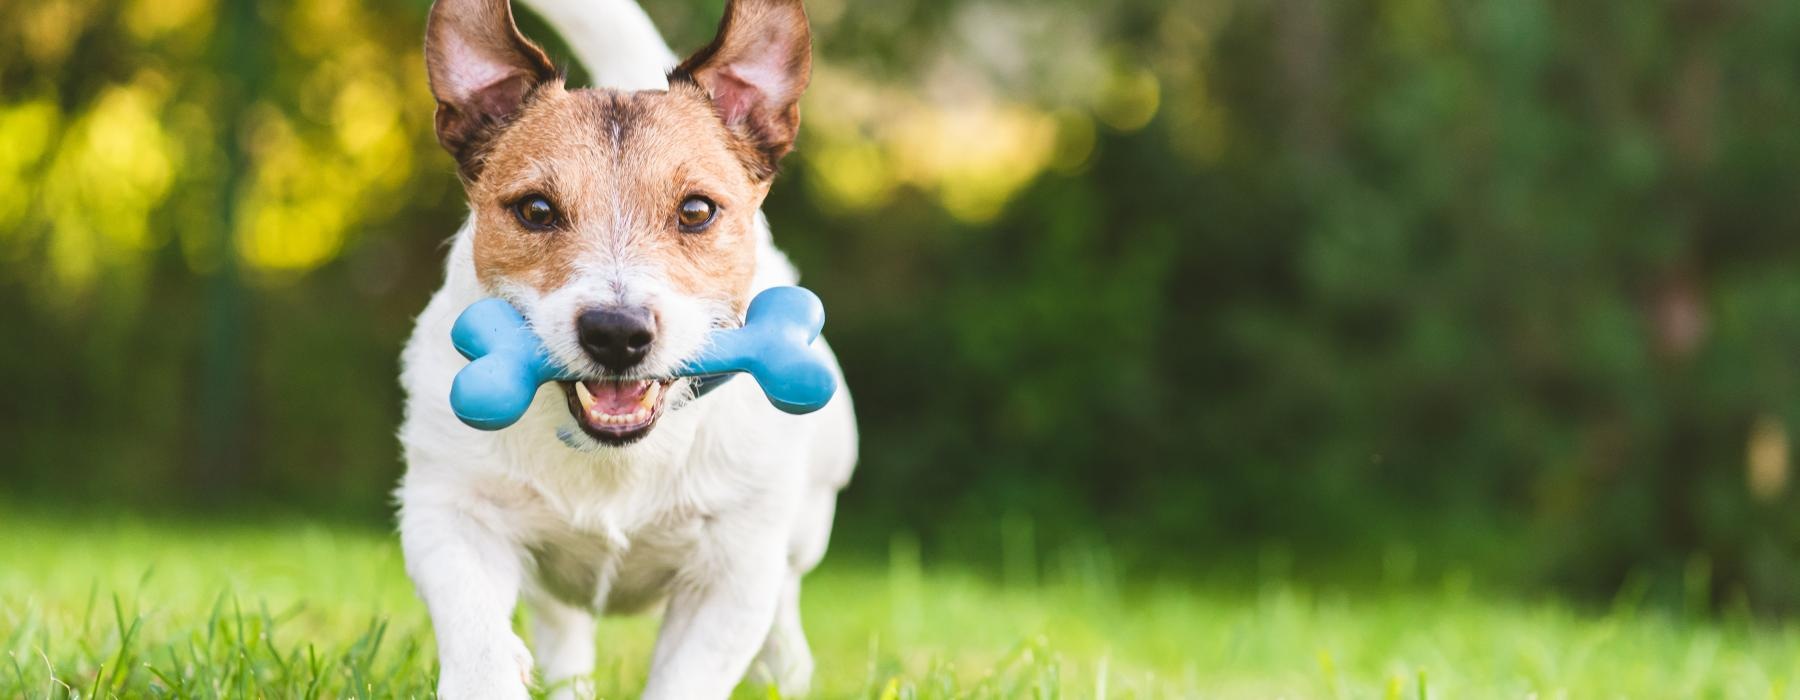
[
  {"x": 536, "y": 213},
  {"x": 695, "y": 214}
]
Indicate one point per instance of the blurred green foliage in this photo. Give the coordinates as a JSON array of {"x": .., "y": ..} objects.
[{"x": 1290, "y": 276}]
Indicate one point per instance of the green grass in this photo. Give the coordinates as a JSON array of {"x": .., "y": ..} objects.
[{"x": 95, "y": 608}]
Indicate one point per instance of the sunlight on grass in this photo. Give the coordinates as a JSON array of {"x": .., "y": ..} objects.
[{"x": 94, "y": 608}]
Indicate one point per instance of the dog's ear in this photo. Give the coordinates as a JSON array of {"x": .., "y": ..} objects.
[
  {"x": 754, "y": 71},
  {"x": 482, "y": 70}
]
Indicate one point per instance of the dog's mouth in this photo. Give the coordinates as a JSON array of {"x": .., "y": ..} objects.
[{"x": 617, "y": 412}]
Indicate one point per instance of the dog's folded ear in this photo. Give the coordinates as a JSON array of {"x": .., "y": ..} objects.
[
  {"x": 482, "y": 70},
  {"x": 754, "y": 72}
]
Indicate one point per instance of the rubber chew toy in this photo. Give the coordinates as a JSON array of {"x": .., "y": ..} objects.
[
  {"x": 775, "y": 346},
  {"x": 507, "y": 363}
]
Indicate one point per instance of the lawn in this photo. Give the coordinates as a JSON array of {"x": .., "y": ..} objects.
[{"x": 110, "y": 606}]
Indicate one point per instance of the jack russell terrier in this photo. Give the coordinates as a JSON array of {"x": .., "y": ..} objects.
[{"x": 623, "y": 222}]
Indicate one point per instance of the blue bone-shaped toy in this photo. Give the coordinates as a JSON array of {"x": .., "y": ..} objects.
[{"x": 775, "y": 346}]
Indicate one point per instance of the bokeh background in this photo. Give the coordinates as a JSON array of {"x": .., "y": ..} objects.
[{"x": 1335, "y": 288}]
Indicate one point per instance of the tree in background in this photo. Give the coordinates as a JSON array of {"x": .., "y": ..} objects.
[{"x": 1509, "y": 281}]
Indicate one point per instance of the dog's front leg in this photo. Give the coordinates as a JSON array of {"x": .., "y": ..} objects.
[
  {"x": 469, "y": 578},
  {"x": 717, "y": 621}
]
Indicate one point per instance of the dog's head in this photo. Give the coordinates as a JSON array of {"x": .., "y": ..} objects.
[{"x": 622, "y": 224}]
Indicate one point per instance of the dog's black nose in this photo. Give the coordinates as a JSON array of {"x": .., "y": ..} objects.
[{"x": 616, "y": 337}]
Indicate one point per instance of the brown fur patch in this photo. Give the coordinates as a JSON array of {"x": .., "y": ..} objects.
[
  {"x": 482, "y": 71},
  {"x": 754, "y": 72},
  {"x": 617, "y": 166}
]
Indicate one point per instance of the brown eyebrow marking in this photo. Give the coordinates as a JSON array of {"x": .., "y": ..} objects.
[{"x": 537, "y": 177}]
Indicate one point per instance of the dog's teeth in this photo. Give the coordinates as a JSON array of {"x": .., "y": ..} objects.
[{"x": 599, "y": 416}]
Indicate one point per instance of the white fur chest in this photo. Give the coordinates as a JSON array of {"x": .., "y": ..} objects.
[{"x": 606, "y": 527}]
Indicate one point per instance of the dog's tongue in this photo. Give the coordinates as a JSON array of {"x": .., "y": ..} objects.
[{"x": 617, "y": 397}]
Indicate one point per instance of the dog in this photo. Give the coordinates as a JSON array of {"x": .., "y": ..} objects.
[{"x": 624, "y": 223}]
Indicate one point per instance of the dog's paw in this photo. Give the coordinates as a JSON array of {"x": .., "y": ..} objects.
[
  {"x": 501, "y": 670},
  {"x": 786, "y": 667}
]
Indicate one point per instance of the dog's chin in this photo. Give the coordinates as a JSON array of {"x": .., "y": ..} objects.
[{"x": 617, "y": 412}]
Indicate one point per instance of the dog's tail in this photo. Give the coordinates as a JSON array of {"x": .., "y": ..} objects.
[{"x": 614, "y": 40}]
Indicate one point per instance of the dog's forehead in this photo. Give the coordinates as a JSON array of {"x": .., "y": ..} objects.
[
  {"x": 598, "y": 137},
  {"x": 652, "y": 131}
]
